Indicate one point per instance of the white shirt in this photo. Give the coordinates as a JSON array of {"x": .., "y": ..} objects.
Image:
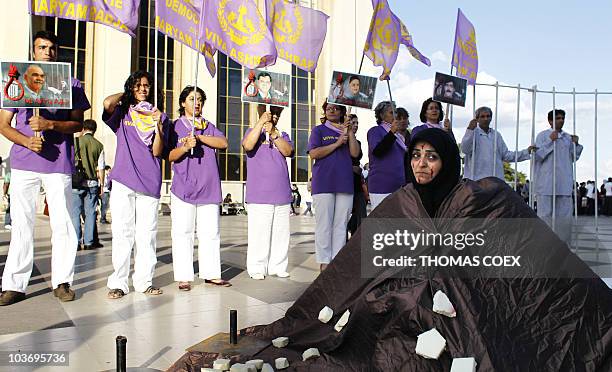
[
  {"x": 590, "y": 191},
  {"x": 484, "y": 154},
  {"x": 544, "y": 160},
  {"x": 608, "y": 187}
]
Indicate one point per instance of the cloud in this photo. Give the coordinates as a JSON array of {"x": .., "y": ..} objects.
[{"x": 440, "y": 56}]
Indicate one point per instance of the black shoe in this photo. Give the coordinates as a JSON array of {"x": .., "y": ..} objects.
[
  {"x": 11, "y": 297},
  {"x": 88, "y": 247},
  {"x": 105, "y": 222},
  {"x": 63, "y": 292},
  {"x": 97, "y": 245}
]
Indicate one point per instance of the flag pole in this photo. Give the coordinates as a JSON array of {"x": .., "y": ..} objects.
[
  {"x": 195, "y": 85},
  {"x": 531, "y": 163},
  {"x": 495, "y": 136},
  {"x": 361, "y": 63},
  {"x": 554, "y": 187},
  {"x": 518, "y": 111},
  {"x": 474, "y": 135},
  {"x": 448, "y": 105},
  {"x": 36, "y": 110},
  {"x": 391, "y": 99},
  {"x": 574, "y": 170},
  {"x": 155, "y": 34}
]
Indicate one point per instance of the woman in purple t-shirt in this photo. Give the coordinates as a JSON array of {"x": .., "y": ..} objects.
[
  {"x": 268, "y": 195},
  {"x": 196, "y": 192},
  {"x": 432, "y": 116},
  {"x": 136, "y": 177},
  {"x": 331, "y": 146},
  {"x": 387, "y": 144}
]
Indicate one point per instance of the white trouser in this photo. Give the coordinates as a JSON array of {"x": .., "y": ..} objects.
[
  {"x": 376, "y": 199},
  {"x": 184, "y": 219},
  {"x": 25, "y": 187},
  {"x": 333, "y": 212},
  {"x": 268, "y": 238},
  {"x": 134, "y": 221},
  {"x": 563, "y": 214}
]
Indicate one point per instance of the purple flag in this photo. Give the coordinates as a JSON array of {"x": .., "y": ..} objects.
[
  {"x": 465, "y": 55},
  {"x": 386, "y": 33},
  {"x": 180, "y": 21},
  {"x": 299, "y": 32},
  {"x": 121, "y": 15},
  {"x": 236, "y": 28}
]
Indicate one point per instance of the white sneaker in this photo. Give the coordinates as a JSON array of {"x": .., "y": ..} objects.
[
  {"x": 258, "y": 276},
  {"x": 8, "y": 227},
  {"x": 283, "y": 274}
]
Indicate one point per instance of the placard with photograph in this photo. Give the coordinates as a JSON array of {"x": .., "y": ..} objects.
[
  {"x": 450, "y": 89},
  {"x": 266, "y": 87},
  {"x": 352, "y": 90},
  {"x": 36, "y": 85}
]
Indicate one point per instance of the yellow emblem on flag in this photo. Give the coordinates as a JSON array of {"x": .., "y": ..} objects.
[
  {"x": 385, "y": 38},
  {"x": 284, "y": 30},
  {"x": 240, "y": 27}
]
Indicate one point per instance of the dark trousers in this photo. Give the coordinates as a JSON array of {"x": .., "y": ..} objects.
[{"x": 359, "y": 212}]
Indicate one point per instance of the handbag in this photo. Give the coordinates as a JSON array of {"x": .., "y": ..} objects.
[{"x": 79, "y": 176}]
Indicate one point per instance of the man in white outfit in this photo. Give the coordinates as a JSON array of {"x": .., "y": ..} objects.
[
  {"x": 50, "y": 163},
  {"x": 553, "y": 167},
  {"x": 478, "y": 145}
]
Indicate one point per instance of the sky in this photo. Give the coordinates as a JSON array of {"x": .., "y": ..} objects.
[{"x": 564, "y": 44}]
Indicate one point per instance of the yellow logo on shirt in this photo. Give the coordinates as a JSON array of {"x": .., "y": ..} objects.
[{"x": 143, "y": 122}]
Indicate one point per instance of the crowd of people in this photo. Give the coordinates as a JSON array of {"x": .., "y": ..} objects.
[{"x": 75, "y": 177}]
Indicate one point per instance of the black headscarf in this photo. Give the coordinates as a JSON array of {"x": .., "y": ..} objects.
[{"x": 433, "y": 194}]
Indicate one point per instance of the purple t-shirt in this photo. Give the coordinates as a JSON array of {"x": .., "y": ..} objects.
[
  {"x": 387, "y": 173},
  {"x": 333, "y": 173},
  {"x": 267, "y": 173},
  {"x": 424, "y": 126},
  {"x": 135, "y": 165},
  {"x": 196, "y": 177},
  {"x": 57, "y": 155}
]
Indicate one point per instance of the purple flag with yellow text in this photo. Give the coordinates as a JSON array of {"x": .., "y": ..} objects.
[
  {"x": 465, "y": 55},
  {"x": 180, "y": 19},
  {"x": 121, "y": 15},
  {"x": 237, "y": 29},
  {"x": 298, "y": 32},
  {"x": 386, "y": 33}
]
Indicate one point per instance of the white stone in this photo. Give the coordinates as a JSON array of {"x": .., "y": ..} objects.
[
  {"x": 310, "y": 353},
  {"x": 258, "y": 363},
  {"x": 208, "y": 370},
  {"x": 221, "y": 364},
  {"x": 463, "y": 365},
  {"x": 281, "y": 363},
  {"x": 442, "y": 305},
  {"x": 342, "y": 321},
  {"x": 239, "y": 367},
  {"x": 325, "y": 314},
  {"x": 267, "y": 368},
  {"x": 430, "y": 344},
  {"x": 280, "y": 341}
]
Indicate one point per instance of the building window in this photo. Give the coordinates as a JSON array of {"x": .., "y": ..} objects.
[
  {"x": 303, "y": 118},
  {"x": 143, "y": 48},
  {"x": 232, "y": 119},
  {"x": 71, "y": 37}
]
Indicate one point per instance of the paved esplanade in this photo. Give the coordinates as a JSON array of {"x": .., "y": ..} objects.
[{"x": 159, "y": 328}]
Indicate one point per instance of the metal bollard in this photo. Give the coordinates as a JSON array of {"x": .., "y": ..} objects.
[
  {"x": 233, "y": 327},
  {"x": 121, "y": 343}
]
